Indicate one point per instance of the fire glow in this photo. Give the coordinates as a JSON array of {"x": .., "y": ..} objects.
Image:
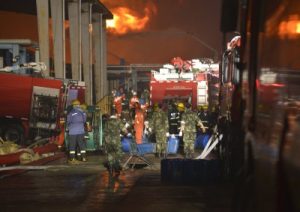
[
  {"x": 290, "y": 28},
  {"x": 126, "y": 20}
]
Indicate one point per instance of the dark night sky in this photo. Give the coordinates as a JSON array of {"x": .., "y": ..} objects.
[
  {"x": 174, "y": 29},
  {"x": 166, "y": 35}
]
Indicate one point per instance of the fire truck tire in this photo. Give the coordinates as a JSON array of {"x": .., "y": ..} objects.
[{"x": 14, "y": 133}]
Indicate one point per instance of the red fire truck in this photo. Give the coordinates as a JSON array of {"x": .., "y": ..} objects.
[
  {"x": 30, "y": 106},
  {"x": 193, "y": 84}
]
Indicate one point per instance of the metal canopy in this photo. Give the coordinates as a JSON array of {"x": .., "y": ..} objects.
[{"x": 29, "y": 7}]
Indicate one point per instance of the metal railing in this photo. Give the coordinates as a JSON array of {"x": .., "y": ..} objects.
[{"x": 105, "y": 104}]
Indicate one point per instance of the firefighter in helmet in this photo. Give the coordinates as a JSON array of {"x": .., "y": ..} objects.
[
  {"x": 203, "y": 114},
  {"x": 76, "y": 120},
  {"x": 139, "y": 123},
  {"x": 132, "y": 103},
  {"x": 112, "y": 145},
  {"x": 118, "y": 99},
  {"x": 174, "y": 118},
  {"x": 159, "y": 125},
  {"x": 188, "y": 130}
]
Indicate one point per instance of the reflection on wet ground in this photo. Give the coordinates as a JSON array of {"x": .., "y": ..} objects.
[{"x": 88, "y": 187}]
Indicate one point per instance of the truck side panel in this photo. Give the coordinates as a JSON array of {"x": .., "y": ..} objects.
[
  {"x": 48, "y": 83},
  {"x": 15, "y": 93},
  {"x": 161, "y": 90}
]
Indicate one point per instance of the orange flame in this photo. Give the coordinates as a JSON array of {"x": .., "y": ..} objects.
[
  {"x": 290, "y": 28},
  {"x": 126, "y": 20}
]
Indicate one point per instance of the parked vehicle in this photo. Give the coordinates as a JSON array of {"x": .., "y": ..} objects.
[
  {"x": 196, "y": 84},
  {"x": 269, "y": 87},
  {"x": 31, "y": 106}
]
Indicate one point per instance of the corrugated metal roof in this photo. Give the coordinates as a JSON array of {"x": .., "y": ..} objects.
[{"x": 29, "y": 7}]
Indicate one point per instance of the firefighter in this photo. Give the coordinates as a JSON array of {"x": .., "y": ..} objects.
[
  {"x": 111, "y": 101},
  {"x": 118, "y": 99},
  {"x": 112, "y": 143},
  {"x": 138, "y": 123},
  {"x": 75, "y": 124},
  {"x": 180, "y": 108},
  {"x": 159, "y": 125},
  {"x": 174, "y": 119},
  {"x": 204, "y": 115},
  {"x": 188, "y": 130},
  {"x": 144, "y": 105},
  {"x": 81, "y": 147},
  {"x": 124, "y": 98},
  {"x": 134, "y": 99}
]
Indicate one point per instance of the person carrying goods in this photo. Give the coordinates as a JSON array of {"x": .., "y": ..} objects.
[
  {"x": 188, "y": 130},
  {"x": 76, "y": 120},
  {"x": 112, "y": 143},
  {"x": 158, "y": 124},
  {"x": 139, "y": 123}
]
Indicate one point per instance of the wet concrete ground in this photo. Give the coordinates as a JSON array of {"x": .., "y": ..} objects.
[{"x": 59, "y": 186}]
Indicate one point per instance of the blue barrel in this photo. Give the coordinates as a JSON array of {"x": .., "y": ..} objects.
[
  {"x": 146, "y": 148},
  {"x": 125, "y": 141},
  {"x": 201, "y": 141},
  {"x": 173, "y": 144}
]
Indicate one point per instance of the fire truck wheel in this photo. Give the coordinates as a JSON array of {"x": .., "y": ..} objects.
[{"x": 14, "y": 133}]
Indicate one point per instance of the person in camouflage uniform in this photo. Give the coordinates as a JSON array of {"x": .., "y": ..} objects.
[
  {"x": 159, "y": 125},
  {"x": 112, "y": 143},
  {"x": 188, "y": 129}
]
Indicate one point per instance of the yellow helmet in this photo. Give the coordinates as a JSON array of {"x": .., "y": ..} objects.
[
  {"x": 75, "y": 102},
  {"x": 180, "y": 106},
  {"x": 155, "y": 106}
]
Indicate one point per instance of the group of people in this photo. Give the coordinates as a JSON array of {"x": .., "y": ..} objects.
[
  {"x": 144, "y": 123},
  {"x": 131, "y": 107},
  {"x": 153, "y": 124}
]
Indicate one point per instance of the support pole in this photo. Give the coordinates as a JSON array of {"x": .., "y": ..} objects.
[
  {"x": 104, "y": 58},
  {"x": 74, "y": 10},
  {"x": 98, "y": 74},
  {"x": 43, "y": 30},
  {"x": 86, "y": 32},
  {"x": 58, "y": 27}
]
